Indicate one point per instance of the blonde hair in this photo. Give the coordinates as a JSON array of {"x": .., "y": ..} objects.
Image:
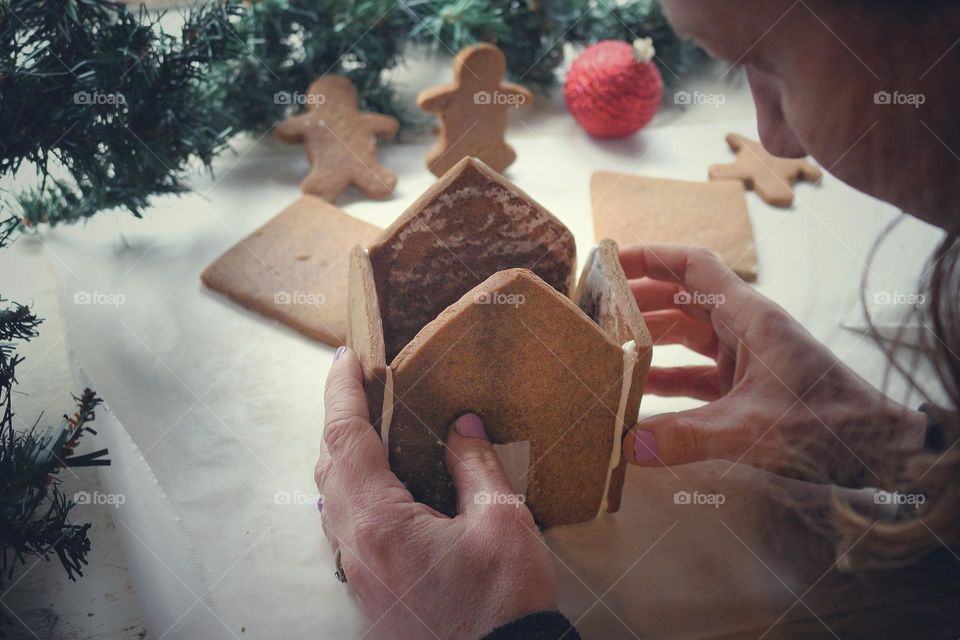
[{"x": 864, "y": 541}]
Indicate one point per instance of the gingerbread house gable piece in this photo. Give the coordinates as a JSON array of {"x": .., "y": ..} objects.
[
  {"x": 605, "y": 296},
  {"x": 535, "y": 368},
  {"x": 469, "y": 225}
]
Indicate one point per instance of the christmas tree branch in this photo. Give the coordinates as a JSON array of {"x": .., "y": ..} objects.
[
  {"x": 34, "y": 513},
  {"x": 126, "y": 110}
]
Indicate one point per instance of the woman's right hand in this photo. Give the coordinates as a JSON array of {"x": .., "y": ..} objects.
[
  {"x": 774, "y": 390},
  {"x": 415, "y": 572}
]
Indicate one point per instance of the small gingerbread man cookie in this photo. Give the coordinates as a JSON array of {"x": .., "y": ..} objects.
[
  {"x": 340, "y": 141},
  {"x": 771, "y": 177},
  {"x": 473, "y": 110}
]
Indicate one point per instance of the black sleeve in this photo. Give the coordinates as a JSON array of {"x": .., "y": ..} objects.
[{"x": 542, "y": 625}]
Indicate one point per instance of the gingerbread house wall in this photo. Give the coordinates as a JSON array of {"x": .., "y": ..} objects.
[{"x": 470, "y": 224}]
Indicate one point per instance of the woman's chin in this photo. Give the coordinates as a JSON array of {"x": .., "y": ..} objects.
[{"x": 778, "y": 139}]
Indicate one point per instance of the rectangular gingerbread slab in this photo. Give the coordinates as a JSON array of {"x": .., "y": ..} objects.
[
  {"x": 294, "y": 268},
  {"x": 633, "y": 209}
]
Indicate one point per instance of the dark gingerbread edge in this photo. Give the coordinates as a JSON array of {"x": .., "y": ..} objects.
[
  {"x": 606, "y": 253},
  {"x": 365, "y": 332}
]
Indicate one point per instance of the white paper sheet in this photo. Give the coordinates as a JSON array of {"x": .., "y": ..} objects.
[
  {"x": 226, "y": 406},
  {"x": 893, "y": 290},
  {"x": 173, "y": 583}
]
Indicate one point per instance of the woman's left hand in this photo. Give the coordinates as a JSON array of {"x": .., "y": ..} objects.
[
  {"x": 778, "y": 399},
  {"x": 416, "y": 572}
]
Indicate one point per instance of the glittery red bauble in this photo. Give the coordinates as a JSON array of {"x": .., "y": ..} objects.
[{"x": 613, "y": 89}]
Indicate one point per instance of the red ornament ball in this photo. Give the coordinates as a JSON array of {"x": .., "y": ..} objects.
[{"x": 613, "y": 89}]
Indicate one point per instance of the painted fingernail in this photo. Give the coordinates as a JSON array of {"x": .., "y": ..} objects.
[
  {"x": 644, "y": 446},
  {"x": 469, "y": 425},
  {"x": 340, "y": 352},
  {"x": 320, "y": 504}
]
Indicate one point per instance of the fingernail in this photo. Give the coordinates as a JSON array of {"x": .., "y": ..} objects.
[
  {"x": 320, "y": 504},
  {"x": 644, "y": 446},
  {"x": 469, "y": 425},
  {"x": 340, "y": 352}
]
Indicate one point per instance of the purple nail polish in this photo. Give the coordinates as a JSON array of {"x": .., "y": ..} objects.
[
  {"x": 340, "y": 352},
  {"x": 644, "y": 446},
  {"x": 320, "y": 504},
  {"x": 469, "y": 425}
]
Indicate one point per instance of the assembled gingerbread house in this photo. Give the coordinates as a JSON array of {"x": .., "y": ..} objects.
[{"x": 467, "y": 303}]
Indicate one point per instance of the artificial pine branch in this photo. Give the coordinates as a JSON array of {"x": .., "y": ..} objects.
[
  {"x": 103, "y": 92},
  {"x": 34, "y": 513},
  {"x": 127, "y": 109}
]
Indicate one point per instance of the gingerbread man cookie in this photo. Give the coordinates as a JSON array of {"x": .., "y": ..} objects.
[
  {"x": 340, "y": 141},
  {"x": 473, "y": 110},
  {"x": 771, "y": 177}
]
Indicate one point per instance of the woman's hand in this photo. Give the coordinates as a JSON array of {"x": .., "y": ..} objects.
[
  {"x": 779, "y": 399},
  {"x": 417, "y": 573}
]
